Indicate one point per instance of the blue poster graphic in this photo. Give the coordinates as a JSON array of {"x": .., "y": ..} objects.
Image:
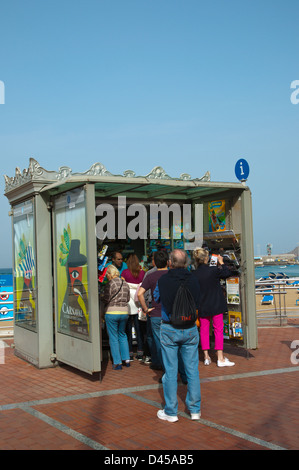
[{"x": 6, "y": 297}]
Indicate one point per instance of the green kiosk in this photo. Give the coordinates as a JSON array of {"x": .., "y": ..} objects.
[{"x": 59, "y": 252}]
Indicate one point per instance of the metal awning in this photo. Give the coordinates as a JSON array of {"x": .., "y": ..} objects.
[{"x": 144, "y": 189}]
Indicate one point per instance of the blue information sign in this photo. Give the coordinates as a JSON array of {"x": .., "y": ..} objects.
[{"x": 242, "y": 169}]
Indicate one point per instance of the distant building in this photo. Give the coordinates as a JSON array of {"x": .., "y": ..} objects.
[{"x": 286, "y": 258}]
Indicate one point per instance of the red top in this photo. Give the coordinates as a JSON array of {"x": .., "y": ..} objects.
[{"x": 128, "y": 276}]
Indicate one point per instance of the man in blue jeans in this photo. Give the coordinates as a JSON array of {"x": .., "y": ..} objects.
[{"x": 175, "y": 341}]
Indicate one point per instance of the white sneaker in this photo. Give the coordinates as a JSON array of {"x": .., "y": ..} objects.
[
  {"x": 162, "y": 415},
  {"x": 195, "y": 415},
  {"x": 207, "y": 362},
  {"x": 225, "y": 363}
]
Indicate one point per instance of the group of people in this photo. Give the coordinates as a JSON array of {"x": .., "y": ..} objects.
[
  {"x": 130, "y": 290},
  {"x": 127, "y": 297}
]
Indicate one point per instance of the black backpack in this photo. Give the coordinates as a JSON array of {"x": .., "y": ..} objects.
[{"x": 183, "y": 314}]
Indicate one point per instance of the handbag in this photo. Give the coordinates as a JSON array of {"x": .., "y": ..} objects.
[{"x": 141, "y": 315}]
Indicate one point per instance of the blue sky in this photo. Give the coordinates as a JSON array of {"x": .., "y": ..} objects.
[{"x": 188, "y": 85}]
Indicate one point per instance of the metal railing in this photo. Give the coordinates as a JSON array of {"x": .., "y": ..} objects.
[{"x": 278, "y": 288}]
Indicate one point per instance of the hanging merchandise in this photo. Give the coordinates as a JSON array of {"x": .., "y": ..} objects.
[
  {"x": 233, "y": 290},
  {"x": 102, "y": 275},
  {"x": 225, "y": 328},
  {"x": 235, "y": 325},
  {"x": 102, "y": 265},
  {"x": 216, "y": 211},
  {"x": 103, "y": 251}
]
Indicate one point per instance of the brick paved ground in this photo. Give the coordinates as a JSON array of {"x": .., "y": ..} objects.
[{"x": 251, "y": 406}]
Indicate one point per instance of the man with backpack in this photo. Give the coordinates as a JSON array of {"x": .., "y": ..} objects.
[{"x": 178, "y": 292}]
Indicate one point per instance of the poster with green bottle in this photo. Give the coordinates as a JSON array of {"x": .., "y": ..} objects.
[{"x": 71, "y": 265}]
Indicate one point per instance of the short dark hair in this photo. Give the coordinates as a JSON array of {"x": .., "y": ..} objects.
[
  {"x": 160, "y": 259},
  {"x": 114, "y": 253}
]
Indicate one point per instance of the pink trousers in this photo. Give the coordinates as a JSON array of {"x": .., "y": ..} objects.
[{"x": 205, "y": 332}]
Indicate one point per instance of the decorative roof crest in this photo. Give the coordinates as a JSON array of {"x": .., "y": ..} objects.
[{"x": 37, "y": 173}]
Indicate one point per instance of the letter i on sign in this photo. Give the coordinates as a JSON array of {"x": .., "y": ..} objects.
[{"x": 242, "y": 169}]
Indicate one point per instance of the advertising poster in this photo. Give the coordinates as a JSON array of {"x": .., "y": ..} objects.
[
  {"x": 24, "y": 265},
  {"x": 225, "y": 328},
  {"x": 6, "y": 297},
  {"x": 235, "y": 325},
  {"x": 71, "y": 265},
  {"x": 233, "y": 290},
  {"x": 216, "y": 210}
]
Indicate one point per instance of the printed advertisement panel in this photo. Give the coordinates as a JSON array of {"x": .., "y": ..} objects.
[
  {"x": 6, "y": 297},
  {"x": 216, "y": 211},
  {"x": 71, "y": 265},
  {"x": 233, "y": 290},
  {"x": 24, "y": 265},
  {"x": 235, "y": 325}
]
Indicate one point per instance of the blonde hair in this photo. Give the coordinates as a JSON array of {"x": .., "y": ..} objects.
[
  {"x": 200, "y": 255},
  {"x": 112, "y": 271}
]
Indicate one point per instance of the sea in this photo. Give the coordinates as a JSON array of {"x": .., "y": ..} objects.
[
  {"x": 5, "y": 271},
  {"x": 288, "y": 270},
  {"x": 6, "y": 279}
]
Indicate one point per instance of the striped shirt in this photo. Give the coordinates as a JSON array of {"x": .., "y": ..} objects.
[{"x": 116, "y": 296}]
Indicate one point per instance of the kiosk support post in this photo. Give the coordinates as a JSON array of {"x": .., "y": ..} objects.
[
  {"x": 248, "y": 267},
  {"x": 44, "y": 281},
  {"x": 93, "y": 277}
]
